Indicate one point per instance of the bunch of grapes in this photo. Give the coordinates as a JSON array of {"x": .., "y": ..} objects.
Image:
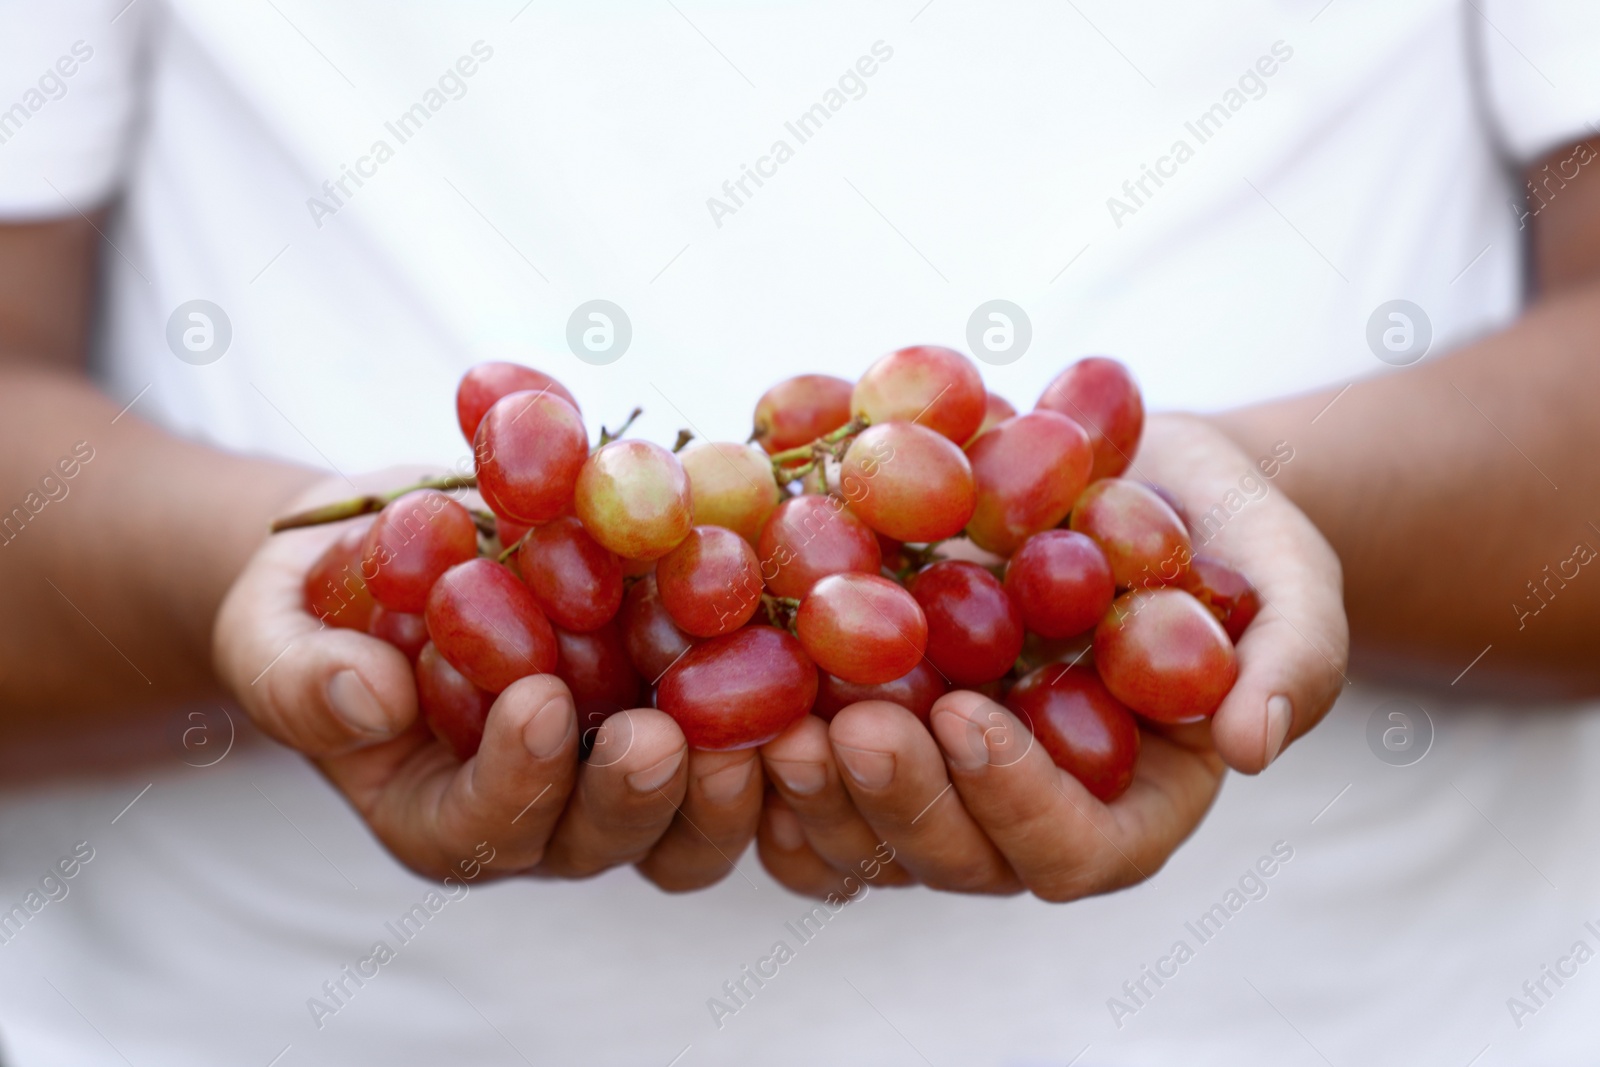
[{"x": 889, "y": 539}]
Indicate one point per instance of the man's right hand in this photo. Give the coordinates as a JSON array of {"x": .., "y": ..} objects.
[{"x": 347, "y": 701}]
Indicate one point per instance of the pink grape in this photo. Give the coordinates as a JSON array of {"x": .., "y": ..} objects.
[
  {"x": 739, "y": 690},
  {"x": 529, "y": 449},
  {"x": 1162, "y": 653},
  {"x": 597, "y": 670},
  {"x": 730, "y": 485},
  {"x": 1228, "y": 593},
  {"x": 485, "y": 383},
  {"x": 633, "y": 497},
  {"x": 489, "y": 626},
  {"x": 653, "y": 640},
  {"x": 799, "y": 410},
  {"x": 974, "y": 630},
  {"x": 711, "y": 583},
  {"x": 810, "y": 537},
  {"x": 404, "y": 631},
  {"x": 1061, "y": 583},
  {"x": 908, "y": 482},
  {"x": 415, "y": 539},
  {"x": 916, "y": 691},
  {"x": 1101, "y": 395},
  {"x": 454, "y": 709},
  {"x": 862, "y": 628},
  {"x": 334, "y": 590},
  {"x": 577, "y": 582},
  {"x": 1029, "y": 470},
  {"x": 1085, "y": 730},
  {"x": 997, "y": 409},
  {"x": 1144, "y": 540},
  {"x": 938, "y": 388}
]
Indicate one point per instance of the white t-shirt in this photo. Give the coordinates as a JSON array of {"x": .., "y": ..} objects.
[{"x": 376, "y": 196}]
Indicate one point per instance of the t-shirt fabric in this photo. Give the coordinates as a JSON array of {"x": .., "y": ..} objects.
[{"x": 361, "y": 200}]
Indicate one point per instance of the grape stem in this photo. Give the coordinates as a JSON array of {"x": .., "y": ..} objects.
[
  {"x": 684, "y": 437},
  {"x": 917, "y": 558},
  {"x": 511, "y": 549},
  {"x": 830, "y": 444},
  {"x": 781, "y": 610},
  {"x": 366, "y": 505},
  {"x": 606, "y": 436}
]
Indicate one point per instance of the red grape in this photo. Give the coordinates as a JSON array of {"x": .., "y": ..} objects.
[
  {"x": 730, "y": 485},
  {"x": 739, "y": 690},
  {"x": 485, "y": 383},
  {"x": 1061, "y": 583},
  {"x": 906, "y": 481},
  {"x": 810, "y": 537},
  {"x": 1029, "y": 470},
  {"x": 1162, "y": 653},
  {"x": 653, "y": 640},
  {"x": 997, "y": 409},
  {"x": 862, "y": 628},
  {"x": 915, "y": 691},
  {"x": 892, "y": 552},
  {"x": 633, "y": 497},
  {"x": 974, "y": 630},
  {"x": 711, "y": 583},
  {"x": 1102, "y": 396},
  {"x": 1229, "y": 594},
  {"x": 596, "y": 668},
  {"x": 1144, "y": 540},
  {"x": 403, "y": 630},
  {"x": 489, "y": 626},
  {"x": 335, "y": 591},
  {"x": 454, "y": 709},
  {"x": 529, "y": 450},
  {"x": 935, "y": 387},
  {"x": 799, "y": 410},
  {"x": 415, "y": 539},
  {"x": 576, "y": 581},
  {"x": 1086, "y": 731}
]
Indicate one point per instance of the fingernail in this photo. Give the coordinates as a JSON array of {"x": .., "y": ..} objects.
[
  {"x": 871, "y": 770},
  {"x": 962, "y": 740},
  {"x": 725, "y": 786},
  {"x": 354, "y": 703},
  {"x": 1279, "y": 714},
  {"x": 800, "y": 777},
  {"x": 785, "y": 829},
  {"x": 654, "y": 777},
  {"x": 549, "y": 728}
]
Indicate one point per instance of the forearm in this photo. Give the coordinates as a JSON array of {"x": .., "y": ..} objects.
[
  {"x": 1458, "y": 494},
  {"x": 117, "y": 543}
]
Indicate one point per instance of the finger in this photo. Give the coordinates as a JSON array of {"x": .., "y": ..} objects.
[
  {"x": 1061, "y": 841},
  {"x": 714, "y": 824},
  {"x": 626, "y": 796},
  {"x": 318, "y": 690},
  {"x": 896, "y": 776},
  {"x": 788, "y": 856},
  {"x": 801, "y": 766},
  {"x": 1292, "y": 657},
  {"x": 435, "y": 813}
]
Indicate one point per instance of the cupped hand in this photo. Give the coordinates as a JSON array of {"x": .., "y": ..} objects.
[
  {"x": 348, "y": 702},
  {"x": 972, "y": 805}
]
